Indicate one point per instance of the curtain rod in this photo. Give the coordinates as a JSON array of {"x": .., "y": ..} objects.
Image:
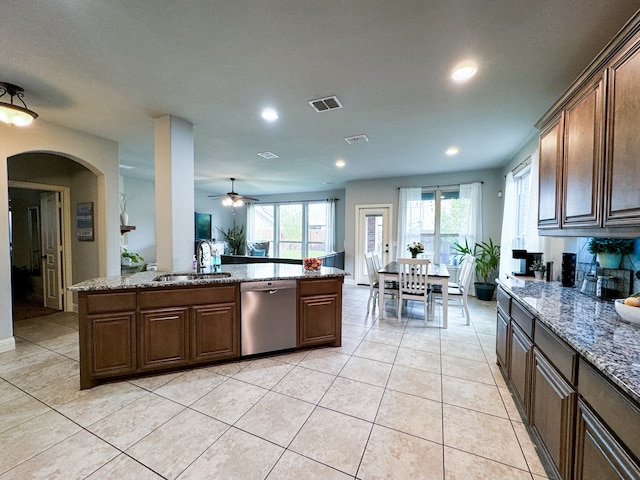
[
  {"x": 297, "y": 201},
  {"x": 442, "y": 186},
  {"x": 521, "y": 165}
]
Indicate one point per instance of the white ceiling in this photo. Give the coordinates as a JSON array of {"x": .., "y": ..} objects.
[{"x": 109, "y": 67}]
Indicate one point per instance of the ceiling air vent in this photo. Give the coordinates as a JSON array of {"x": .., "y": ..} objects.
[
  {"x": 325, "y": 104},
  {"x": 268, "y": 155},
  {"x": 356, "y": 139}
]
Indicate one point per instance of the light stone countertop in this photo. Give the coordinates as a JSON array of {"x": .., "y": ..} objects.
[
  {"x": 590, "y": 325},
  {"x": 239, "y": 273}
]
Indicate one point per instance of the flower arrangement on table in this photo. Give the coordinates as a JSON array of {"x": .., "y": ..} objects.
[{"x": 415, "y": 248}]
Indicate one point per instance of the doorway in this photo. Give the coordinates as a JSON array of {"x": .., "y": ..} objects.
[
  {"x": 40, "y": 248},
  {"x": 373, "y": 235}
]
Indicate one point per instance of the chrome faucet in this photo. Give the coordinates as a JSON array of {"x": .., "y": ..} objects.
[{"x": 203, "y": 256}]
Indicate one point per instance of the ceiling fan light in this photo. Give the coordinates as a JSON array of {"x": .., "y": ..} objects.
[
  {"x": 12, "y": 114},
  {"x": 227, "y": 201},
  {"x": 237, "y": 202}
]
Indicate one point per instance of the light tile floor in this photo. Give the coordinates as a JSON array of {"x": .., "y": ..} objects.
[{"x": 396, "y": 401}]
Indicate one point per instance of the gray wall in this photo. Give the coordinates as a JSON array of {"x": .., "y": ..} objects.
[{"x": 385, "y": 190}]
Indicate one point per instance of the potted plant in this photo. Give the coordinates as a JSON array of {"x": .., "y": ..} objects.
[
  {"x": 415, "y": 248},
  {"x": 538, "y": 268},
  {"x": 462, "y": 250},
  {"x": 235, "y": 238},
  {"x": 487, "y": 262},
  {"x": 128, "y": 259},
  {"x": 610, "y": 250}
]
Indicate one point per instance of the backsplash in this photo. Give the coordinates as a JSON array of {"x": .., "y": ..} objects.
[{"x": 624, "y": 278}]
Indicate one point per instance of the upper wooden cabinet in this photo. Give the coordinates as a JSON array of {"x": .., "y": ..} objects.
[
  {"x": 550, "y": 183},
  {"x": 583, "y": 157},
  {"x": 622, "y": 199},
  {"x": 589, "y": 147}
]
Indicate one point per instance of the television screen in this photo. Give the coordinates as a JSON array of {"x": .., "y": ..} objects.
[{"x": 203, "y": 226}]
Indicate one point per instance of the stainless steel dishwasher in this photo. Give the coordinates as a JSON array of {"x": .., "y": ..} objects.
[{"x": 268, "y": 316}]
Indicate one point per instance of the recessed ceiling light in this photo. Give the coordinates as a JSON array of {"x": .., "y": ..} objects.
[
  {"x": 451, "y": 151},
  {"x": 268, "y": 155},
  {"x": 340, "y": 163},
  {"x": 269, "y": 114},
  {"x": 464, "y": 72}
]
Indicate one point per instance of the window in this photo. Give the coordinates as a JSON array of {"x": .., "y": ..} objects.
[
  {"x": 294, "y": 230},
  {"x": 440, "y": 213},
  {"x": 522, "y": 188}
]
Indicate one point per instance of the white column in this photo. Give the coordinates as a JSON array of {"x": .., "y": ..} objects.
[{"x": 174, "y": 193}]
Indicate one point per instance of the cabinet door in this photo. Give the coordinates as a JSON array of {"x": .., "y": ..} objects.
[
  {"x": 112, "y": 344},
  {"x": 502, "y": 345},
  {"x": 598, "y": 454},
  {"x": 520, "y": 366},
  {"x": 550, "y": 181},
  {"x": 584, "y": 157},
  {"x": 214, "y": 332},
  {"x": 622, "y": 195},
  {"x": 162, "y": 336},
  {"x": 553, "y": 413},
  {"x": 318, "y": 320}
]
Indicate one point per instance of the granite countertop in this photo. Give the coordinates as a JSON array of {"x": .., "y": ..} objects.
[
  {"x": 590, "y": 325},
  {"x": 239, "y": 273}
]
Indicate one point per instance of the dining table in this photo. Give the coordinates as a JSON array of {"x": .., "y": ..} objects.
[{"x": 437, "y": 274}]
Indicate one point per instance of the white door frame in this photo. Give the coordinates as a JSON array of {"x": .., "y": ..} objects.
[
  {"x": 358, "y": 260},
  {"x": 65, "y": 200}
]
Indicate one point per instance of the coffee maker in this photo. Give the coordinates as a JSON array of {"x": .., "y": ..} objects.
[{"x": 524, "y": 260}]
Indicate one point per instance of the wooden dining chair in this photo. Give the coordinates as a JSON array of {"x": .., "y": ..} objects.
[{"x": 413, "y": 280}]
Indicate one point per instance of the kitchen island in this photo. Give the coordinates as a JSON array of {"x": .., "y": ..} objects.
[
  {"x": 152, "y": 322},
  {"x": 573, "y": 366}
]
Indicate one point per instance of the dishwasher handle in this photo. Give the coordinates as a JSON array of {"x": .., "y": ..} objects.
[{"x": 270, "y": 286}]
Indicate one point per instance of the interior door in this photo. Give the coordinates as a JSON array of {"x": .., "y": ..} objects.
[
  {"x": 51, "y": 214},
  {"x": 373, "y": 236}
]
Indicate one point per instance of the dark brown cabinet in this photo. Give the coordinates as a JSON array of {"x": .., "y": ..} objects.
[
  {"x": 622, "y": 195},
  {"x": 550, "y": 174},
  {"x": 599, "y": 455},
  {"x": 583, "y": 157},
  {"x": 319, "y": 310},
  {"x": 553, "y": 403},
  {"x": 586, "y": 426},
  {"x": 520, "y": 358},
  {"x": 162, "y": 338},
  {"x": 589, "y": 147},
  {"x": 153, "y": 330}
]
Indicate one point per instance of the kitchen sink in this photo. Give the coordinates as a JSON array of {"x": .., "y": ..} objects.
[{"x": 183, "y": 277}]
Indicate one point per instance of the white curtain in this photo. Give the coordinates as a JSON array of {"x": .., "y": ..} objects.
[
  {"x": 330, "y": 239},
  {"x": 250, "y": 222},
  {"x": 408, "y": 219},
  {"x": 471, "y": 224},
  {"x": 509, "y": 221}
]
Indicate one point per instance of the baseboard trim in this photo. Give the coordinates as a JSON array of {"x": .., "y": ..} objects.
[{"x": 7, "y": 344}]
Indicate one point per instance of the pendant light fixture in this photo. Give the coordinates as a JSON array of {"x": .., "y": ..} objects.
[{"x": 14, "y": 115}]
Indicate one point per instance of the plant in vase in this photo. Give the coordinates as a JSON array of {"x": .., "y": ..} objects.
[
  {"x": 610, "y": 250},
  {"x": 487, "y": 262},
  {"x": 538, "y": 268},
  {"x": 235, "y": 238},
  {"x": 128, "y": 259},
  {"x": 415, "y": 248}
]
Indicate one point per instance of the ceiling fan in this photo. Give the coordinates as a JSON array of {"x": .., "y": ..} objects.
[{"x": 232, "y": 198}]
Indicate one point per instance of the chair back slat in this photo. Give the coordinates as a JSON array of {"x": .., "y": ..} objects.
[
  {"x": 414, "y": 275},
  {"x": 372, "y": 271},
  {"x": 467, "y": 276}
]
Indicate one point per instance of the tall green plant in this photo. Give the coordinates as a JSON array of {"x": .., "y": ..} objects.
[
  {"x": 235, "y": 238},
  {"x": 487, "y": 259}
]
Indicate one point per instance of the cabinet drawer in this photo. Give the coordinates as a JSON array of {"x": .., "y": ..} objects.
[
  {"x": 504, "y": 302},
  {"x": 523, "y": 318},
  {"x": 319, "y": 287},
  {"x": 563, "y": 357},
  {"x": 620, "y": 413},
  {"x": 110, "y": 302},
  {"x": 187, "y": 296}
]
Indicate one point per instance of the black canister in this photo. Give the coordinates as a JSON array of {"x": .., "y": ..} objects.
[{"x": 568, "y": 269}]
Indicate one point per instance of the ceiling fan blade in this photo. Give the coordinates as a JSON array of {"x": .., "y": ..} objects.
[{"x": 248, "y": 198}]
